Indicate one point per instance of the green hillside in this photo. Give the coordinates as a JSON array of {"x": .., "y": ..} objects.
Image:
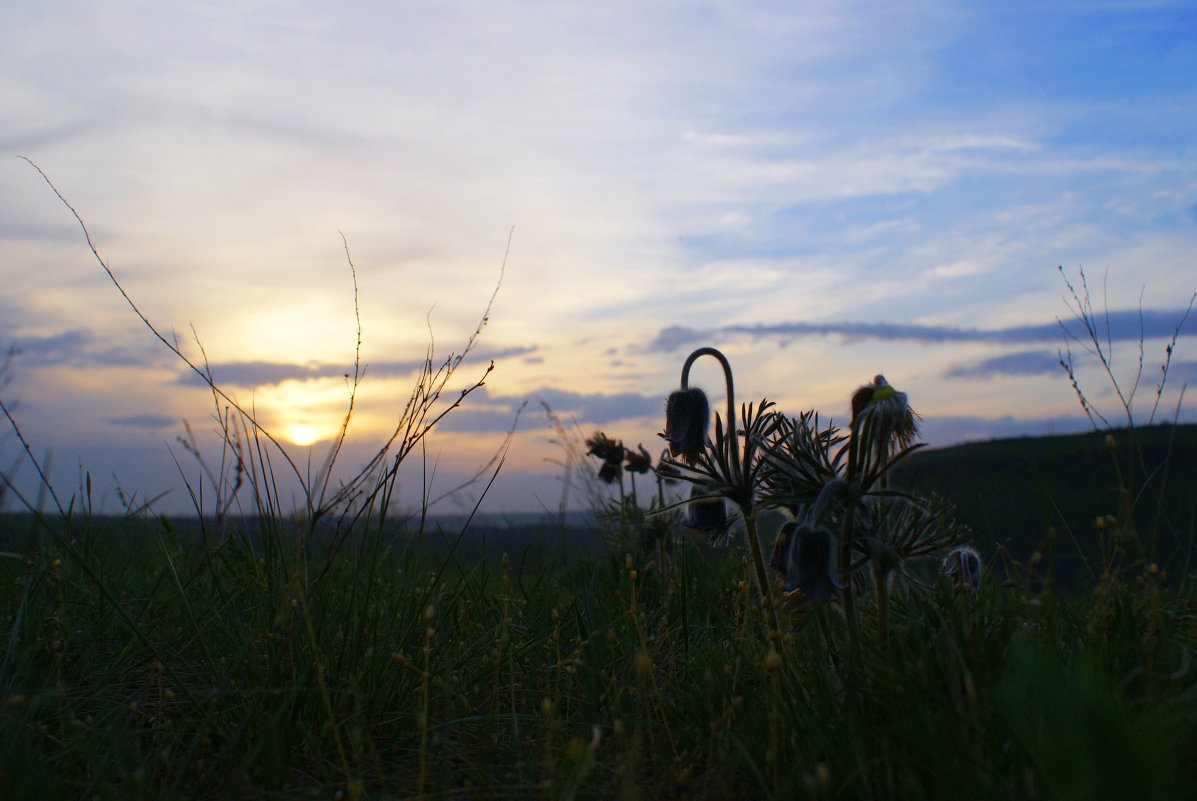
[{"x": 1015, "y": 492}]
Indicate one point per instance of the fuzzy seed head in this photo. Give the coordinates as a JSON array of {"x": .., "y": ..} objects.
[{"x": 963, "y": 565}]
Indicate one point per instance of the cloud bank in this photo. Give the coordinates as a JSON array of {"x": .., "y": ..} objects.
[{"x": 1116, "y": 325}]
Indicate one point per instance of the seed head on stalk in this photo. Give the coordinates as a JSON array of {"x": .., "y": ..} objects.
[{"x": 893, "y": 424}]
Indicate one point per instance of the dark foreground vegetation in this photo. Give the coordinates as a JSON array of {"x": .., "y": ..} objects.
[{"x": 141, "y": 663}]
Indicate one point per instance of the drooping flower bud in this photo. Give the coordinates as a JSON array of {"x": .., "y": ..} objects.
[
  {"x": 805, "y": 557},
  {"x": 706, "y": 513},
  {"x": 687, "y": 415},
  {"x": 963, "y": 565},
  {"x": 666, "y": 470},
  {"x": 830, "y": 500},
  {"x": 637, "y": 462},
  {"x": 609, "y": 472},
  {"x": 611, "y": 451}
]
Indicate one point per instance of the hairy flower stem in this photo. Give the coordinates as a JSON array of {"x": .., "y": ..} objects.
[
  {"x": 762, "y": 578},
  {"x": 828, "y": 640},
  {"x": 747, "y": 507},
  {"x": 855, "y": 459},
  {"x": 882, "y": 607}
]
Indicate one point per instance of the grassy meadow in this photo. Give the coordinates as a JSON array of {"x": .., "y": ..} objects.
[{"x": 245, "y": 659}]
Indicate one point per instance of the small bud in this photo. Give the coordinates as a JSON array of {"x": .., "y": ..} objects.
[{"x": 772, "y": 661}]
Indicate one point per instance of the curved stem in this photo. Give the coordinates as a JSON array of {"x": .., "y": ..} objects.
[
  {"x": 739, "y": 467},
  {"x": 731, "y": 391}
]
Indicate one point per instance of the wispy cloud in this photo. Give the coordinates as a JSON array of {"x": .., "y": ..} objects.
[
  {"x": 1027, "y": 362},
  {"x": 152, "y": 422},
  {"x": 82, "y": 348},
  {"x": 262, "y": 373},
  {"x": 487, "y": 412},
  {"x": 1117, "y": 325},
  {"x": 951, "y": 430}
]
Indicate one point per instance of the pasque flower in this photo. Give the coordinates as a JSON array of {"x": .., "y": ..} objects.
[
  {"x": 706, "y": 513},
  {"x": 963, "y": 565},
  {"x": 805, "y": 557},
  {"x": 894, "y": 423},
  {"x": 687, "y": 414},
  {"x": 637, "y": 461},
  {"x": 611, "y": 451}
]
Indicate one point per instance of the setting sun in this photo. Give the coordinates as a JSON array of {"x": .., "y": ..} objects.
[{"x": 302, "y": 434}]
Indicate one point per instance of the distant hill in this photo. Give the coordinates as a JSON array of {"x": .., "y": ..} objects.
[{"x": 1012, "y": 491}]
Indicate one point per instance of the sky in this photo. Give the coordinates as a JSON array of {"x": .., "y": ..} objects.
[{"x": 823, "y": 190}]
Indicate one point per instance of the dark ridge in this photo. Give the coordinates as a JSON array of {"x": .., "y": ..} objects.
[{"x": 1017, "y": 493}]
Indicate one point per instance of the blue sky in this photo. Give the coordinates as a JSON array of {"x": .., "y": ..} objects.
[{"x": 824, "y": 190}]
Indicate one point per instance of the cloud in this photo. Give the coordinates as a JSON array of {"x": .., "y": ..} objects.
[
  {"x": 263, "y": 373},
  {"x": 1117, "y": 325},
  {"x": 61, "y": 348},
  {"x": 599, "y": 408},
  {"x": 940, "y": 431},
  {"x": 1183, "y": 372},
  {"x": 148, "y": 421},
  {"x": 486, "y": 412},
  {"x": 1027, "y": 362},
  {"x": 82, "y": 348}
]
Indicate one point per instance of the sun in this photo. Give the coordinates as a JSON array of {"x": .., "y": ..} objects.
[{"x": 302, "y": 433}]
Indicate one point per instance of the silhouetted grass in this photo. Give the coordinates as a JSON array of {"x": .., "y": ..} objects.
[{"x": 169, "y": 671}]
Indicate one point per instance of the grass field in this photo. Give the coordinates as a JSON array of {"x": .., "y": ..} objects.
[{"x": 141, "y": 663}]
